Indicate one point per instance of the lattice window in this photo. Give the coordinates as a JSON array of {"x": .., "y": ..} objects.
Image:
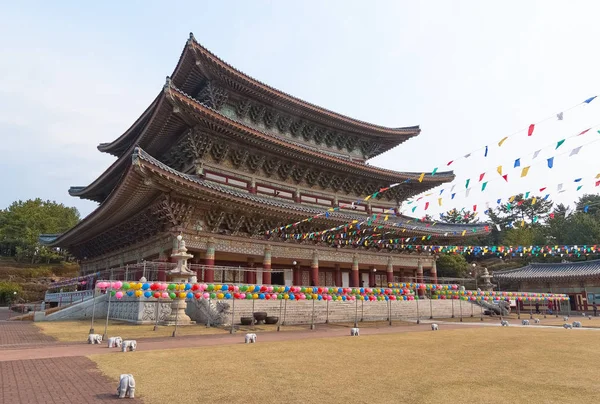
[
  {"x": 329, "y": 281},
  {"x": 305, "y": 278},
  {"x": 322, "y": 279}
]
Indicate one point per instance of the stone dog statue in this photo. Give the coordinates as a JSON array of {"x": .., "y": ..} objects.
[
  {"x": 129, "y": 345},
  {"x": 94, "y": 339},
  {"x": 354, "y": 332},
  {"x": 434, "y": 327},
  {"x": 250, "y": 339},
  {"x": 115, "y": 342},
  {"x": 126, "y": 386}
]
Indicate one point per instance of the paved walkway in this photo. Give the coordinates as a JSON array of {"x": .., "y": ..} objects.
[
  {"x": 46, "y": 351},
  {"x": 54, "y": 381},
  {"x": 21, "y": 333}
]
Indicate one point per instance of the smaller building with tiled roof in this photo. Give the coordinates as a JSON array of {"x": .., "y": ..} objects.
[{"x": 580, "y": 280}]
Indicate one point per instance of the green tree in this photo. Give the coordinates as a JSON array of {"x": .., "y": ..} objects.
[
  {"x": 452, "y": 266},
  {"x": 459, "y": 216},
  {"x": 592, "y": 202},
  {"x": 7, "y": 292},
  {"x": 23, "y": 221}
]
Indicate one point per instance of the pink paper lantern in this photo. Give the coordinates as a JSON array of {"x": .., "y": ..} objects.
[{"x": 119, "y": 295}]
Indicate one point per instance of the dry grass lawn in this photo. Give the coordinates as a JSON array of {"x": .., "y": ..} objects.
[
  {"x": 73, "y": 331},
  {"x": 471, "y": 365}
]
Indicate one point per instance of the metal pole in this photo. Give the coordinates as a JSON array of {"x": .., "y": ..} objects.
[
  {"x": 144, "y": 270},
  {"x": 460, "y": 308},
  {"x": 93, "y": 311},
  {"x": 356, "y": 314},
  {"x": 452, "y": 308},
  {"x": 417, "y": 299},
  {"x": 471, "y": 309},
  {"x": 518, "y": 309},
  {"x": 312, "y": 321},
  {"x": 284, "y": 311},
  {"x": 208, "y": 314},
  {"x": 530, "y": 311},
  {"x": 232, "y": 316},
  {"x": 362, "y": 310},
  {"x": 108, "y": 307},
  {"x": 156, "y": 317},
  {"x": 430, "y": 305},
  {"x": 327, "y": 319},
  {"x": 253, "y": 319},
  {"x": 481, "y": 312},
  {"x": 390, "y": 312},
  {"x": 280, "y": 306},
  {"x": 126, "y": 272},
  {"x": 176, "y": 318}
]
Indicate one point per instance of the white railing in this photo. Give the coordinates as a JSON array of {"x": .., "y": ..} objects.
[{"x": 63, "y": 298}]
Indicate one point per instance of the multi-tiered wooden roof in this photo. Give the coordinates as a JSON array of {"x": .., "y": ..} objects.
[{"x": 218, "y": 137}]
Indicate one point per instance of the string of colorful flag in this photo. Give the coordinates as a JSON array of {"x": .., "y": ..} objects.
[
  {"x": 358, "y": 202},
  {"x": 530, "y": 131},
  {"x": 504, "y": 176}
]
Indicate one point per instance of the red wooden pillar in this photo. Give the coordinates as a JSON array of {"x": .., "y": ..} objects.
[
  {"x": 267, "y": 266},
  {"x": 354, "y": 279},
  {"x": 297, "y": 275},
  {"x": 390, "y": 271},
  {"x": 338, "y": 275},
  {"x": 249, "y": 275},
  {"x": 372, "y": 271},
  {"x": 420, "y": 276},
  {"x": 314, "y": 269},
  {"x": 434, "y": 271},
  {"x": 209, "y": 261}
]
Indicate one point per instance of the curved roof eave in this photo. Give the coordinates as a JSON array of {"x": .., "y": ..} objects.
[{"x": 295, "y": 102}]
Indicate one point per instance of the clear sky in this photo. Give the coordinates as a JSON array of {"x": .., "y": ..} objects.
[{"x": 75, "y": 74}]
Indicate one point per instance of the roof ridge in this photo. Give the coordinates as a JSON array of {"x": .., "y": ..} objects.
[
  {"x": 169, "y": 86},
  {"x": 398, "y": 130}
]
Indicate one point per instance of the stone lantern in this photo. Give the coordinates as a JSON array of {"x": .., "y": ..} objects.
[{"x": 181, "y": 274}]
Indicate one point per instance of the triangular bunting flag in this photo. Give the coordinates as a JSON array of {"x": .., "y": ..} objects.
[
  {"x": 590, "y": 99},
  {"x": 467, "y": 155},
  {"x": 579, "y": 187},
  {"x": 551, "y": 162},
  {"x": 486, "y": 152},
  {"x": 498, "y": 227},
  {"x": 575, "y": 151},
  {"x": 559, "y": 143},
  {"x": 530, "y": 131},
  {"x": 585, "y": 131},
  {"x": 453, "y": 196},
  {"x": 542, "y": 189},
  {"x": 502, "y": 141},
  {"x": 421, "y": 177},
  {"x": 440, "y": 201},
  {"x": 533, "y": 200},
  {"x": 450, "y": 162},
  {"x": 525, "y": 171},
  {"x": 597, "y": 183},
  {"x": 559, "y": 187},
  {"x": 481, "y": 176},
  {"x": 434, "y": 171},
  {"x": 499, "y": 169},
  {"x": 559, "y": 116},
  {"x": 426, "y": 205},
  {"x": 467, "y": 183},
  {"x": 527, "y": 195},
  {"x": 512, "y": 198},
  {"x": 537, "y": 152},
  {"x": 585, "y": 209},
  {"x": 474, "y": 208},
  {"x": 577, "y": 180},
  {"x": 483, "y": 186},
  {"x": 467, "y": 192},
  {"x": 517, "y": 163},
  {"x": 505, "y": 176}
]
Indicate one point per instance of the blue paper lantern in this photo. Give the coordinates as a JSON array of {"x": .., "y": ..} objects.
[
  {"x": 224, "y": 287},
  {"x": 147, "y": 294},
  {"x": 261, "y": 296},
  {"x": 190, "y": 295},
  {"x": 145, "y": 286},
  {"x": 228, "y": 296},
  {"x": 187, "y": 286}
]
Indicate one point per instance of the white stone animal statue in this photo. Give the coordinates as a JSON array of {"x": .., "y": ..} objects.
[
  {"x": 434, "y": 327},
  {"x": 129, "y": 345},
  {"x": 566, "y": 318},
  {"x": 536, "y": 320},
  {"x": 568, "y": 326},
  {"x": 115, "y": 342},
  {"x": 576, "y": 324},
  {"x": 354, "y": 332},
  {"x": 504, "y": 323},
  {"x": 583, "y": 314},
  {"x": 525, "y": 322},
  {"x": 94, "y": 339},
  {"x": 250, "y": 339},
  {"x": 126, "y": 386},
  {"x": 589, "y": 317}
]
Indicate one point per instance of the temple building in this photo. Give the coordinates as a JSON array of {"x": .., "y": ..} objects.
[
  {"x": 222, "y": 158},
  {"x": 579, "y": 280}
]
